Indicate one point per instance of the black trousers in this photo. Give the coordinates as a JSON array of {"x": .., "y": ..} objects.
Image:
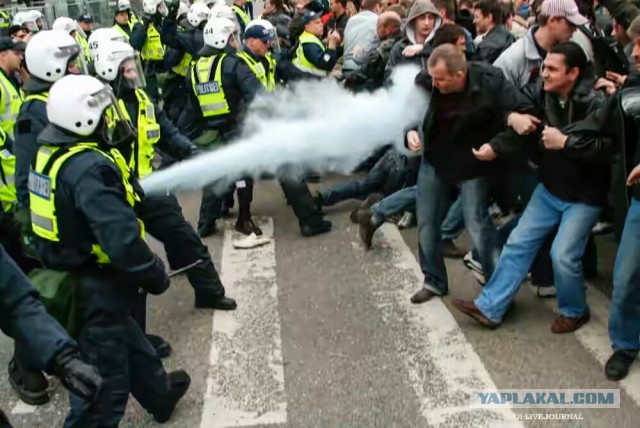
[
  {"x": 163, "y": 219},
  {"x": 112, "y": 341}
]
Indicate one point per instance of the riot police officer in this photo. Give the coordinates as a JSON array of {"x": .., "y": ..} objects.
[
  {"x": 49, "y": 56},
  {"x": 149, "y": 44},
  {"x": 184, "y": 45},
  {"x": 71, "y": 27},
  {"x": 118, "y": 64},
  {"x": 221, "y": 86},
  {"x": 81, "y": 202},
  {"x": 23, "y": 317},
  {"x": 260, "y": 42},
  {"x": 125, "y": 21}
]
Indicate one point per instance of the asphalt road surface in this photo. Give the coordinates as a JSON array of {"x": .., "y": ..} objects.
[{"x": 325, "y": 336}]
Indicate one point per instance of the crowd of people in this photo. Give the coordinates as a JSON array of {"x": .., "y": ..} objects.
[{"x": 530, "y": 143}]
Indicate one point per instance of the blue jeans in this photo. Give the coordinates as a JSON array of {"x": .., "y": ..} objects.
[
  {"x": 453, "y": 223},
  {"x": 543, "y": 213},
  {"x": 624, "y": 319},
  {"x": 400, "y": 201},
  {"x": 386, "y": 176},
  {"x": 432, "y": 203}
]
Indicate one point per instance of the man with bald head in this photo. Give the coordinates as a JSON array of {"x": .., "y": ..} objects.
[{"x": 373, "y": 61}]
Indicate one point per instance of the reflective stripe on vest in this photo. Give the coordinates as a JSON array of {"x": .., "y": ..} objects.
[
  {"x": 152, "y": 49},
  {"x": 10, "y": 105},
  {"x": 267, "y": 78},
  {"x": 8, "y": 196},
  {"x": 301, "y": 61},
  {"x": 141, "y": 161},
  {"x": 183, "y": 67},
  {"x": 210, "y": 93},
  {"x": 44, "y": 96},
  {"x": 84, "y": 45},
  {"x": 5, "y": 20},
  {"x": 123, "y": 32},
  {"x": 43, "y": 183},
  {"x": 241, "y": 13}
]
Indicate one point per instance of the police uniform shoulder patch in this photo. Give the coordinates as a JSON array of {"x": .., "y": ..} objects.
[{"x": 326, "y": 57}]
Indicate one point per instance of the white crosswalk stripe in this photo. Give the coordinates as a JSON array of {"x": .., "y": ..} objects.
[{"x": 246, "y": 378}]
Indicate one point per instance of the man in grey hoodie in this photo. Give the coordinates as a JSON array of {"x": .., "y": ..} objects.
[{"x": 422, "y": 22}]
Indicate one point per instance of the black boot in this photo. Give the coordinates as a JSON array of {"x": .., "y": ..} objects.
[
  {"x": 617, "y": 367},
  {"x": 315, "y": 228},
  {"x": 245, "y": 224},
  {"x": 31, "y": 386},
  {"x": 206, "y": 229},
  {"x": 162, "y": 347},
  {"x": 208, "y": 301},
  {"x": 180, "y": 382}
]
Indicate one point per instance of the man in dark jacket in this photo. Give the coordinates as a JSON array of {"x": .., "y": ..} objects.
[
  {"x": 575, "y": 180},
  {"x": 467, "y": 108},
  {"x": 624, "y": 319},
  {"x": 489, "y": 22}
]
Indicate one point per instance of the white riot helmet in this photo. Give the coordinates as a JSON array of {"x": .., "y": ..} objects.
[
  {"x": 221, "y": 10},
  {"x": 218, "y": 32},
  {"x": 183, "y": 9},
  {"x": 50, "y": 53},
  {"x": 103, "y": 34},
  {"x": 35, "y": 16},
  {"x": 123, "y": 5},
  {"x": 119, "y": 64},
  {"x": 151, "y": 7},
  {"x": 68, "y": 25},
  {"x": 198, "y": 13},
  {"x": 77, "y": 104},
  {"x": 25, "y": 19}
]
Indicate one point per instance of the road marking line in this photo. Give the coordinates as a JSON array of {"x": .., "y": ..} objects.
[
  {"x": 22, "y": 408},
  {"x": 440, "y": 358},
  {"x": 245, "y": 385},
  {"x": 594, "y": 336}
]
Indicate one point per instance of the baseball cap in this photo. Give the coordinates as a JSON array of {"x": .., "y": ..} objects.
[
  {"x": 6, "y": 44},
  {"x": 258, "y": 32},
  {"x": 85, "y": 17},
  {"x": 309, "y": 16},
  {"x": 566, "y": 9}
]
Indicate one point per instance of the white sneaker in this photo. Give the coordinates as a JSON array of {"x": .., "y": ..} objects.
[
  {"x": 251, "y": 241},
  {"x": 407, "y": 220},
  {"x": 475, "y": 267}
]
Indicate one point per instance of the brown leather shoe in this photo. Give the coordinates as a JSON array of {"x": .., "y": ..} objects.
[
  {"x": 470, "y": 309},
  {"x": 367, "y": 229},
  {"x": 422, "y": 296},
  {"x": 564, "y": 324},
  {"x": 450, "y": 251}
]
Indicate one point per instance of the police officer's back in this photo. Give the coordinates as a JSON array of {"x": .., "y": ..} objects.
[
  {"x": 81, "y": 201},
  {"x": 221, "y": 84}
]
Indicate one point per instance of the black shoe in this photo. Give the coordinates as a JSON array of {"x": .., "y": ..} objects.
[
  {"x": 215, "y": 302},
  {"x": 30, "y": 386},
  {"x": 314, "y": 229},
  {"x": 4, "y": 420},
  {"x": 207, "y": 229},
  {"x": 180, "y": 382},
  {"x": 367, "y": 229},
  {"x": 162, "y": 347},
  {"x": 618, "y": 365},
  {"x": 247, "y": 227}
]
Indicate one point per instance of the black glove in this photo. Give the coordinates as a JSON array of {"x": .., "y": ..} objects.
[
  {"x": 153, "y": 279},
  {"x": 77, "y": 376}
]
